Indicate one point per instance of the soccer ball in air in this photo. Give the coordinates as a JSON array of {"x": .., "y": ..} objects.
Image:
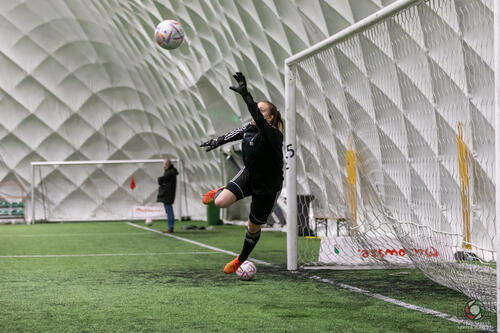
[
  {"x": 149, "y": 221},
  {"x": 169, "y": 34},
  {"x": 246, "y": 271},
  {"x": 474, "y": 310}
]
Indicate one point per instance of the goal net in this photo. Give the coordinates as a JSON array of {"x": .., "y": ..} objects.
[
  {"x": 100, "y": 190},
  {"x": 394, "y": 144}
]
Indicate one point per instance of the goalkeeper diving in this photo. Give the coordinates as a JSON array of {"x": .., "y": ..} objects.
[{"x": 262, "y": 174}]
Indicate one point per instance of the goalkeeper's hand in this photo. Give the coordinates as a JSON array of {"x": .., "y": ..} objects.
[
  {"x": 242, "y": 84},
  {"x": 212, "y": 144}
]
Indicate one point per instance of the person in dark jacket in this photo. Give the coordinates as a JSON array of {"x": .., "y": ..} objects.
[
  {"x": 166, "y": 192},
  {"x": 262, "y": 174}
]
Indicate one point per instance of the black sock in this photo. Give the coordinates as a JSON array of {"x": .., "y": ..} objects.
[{"x": 250, "y": 242}]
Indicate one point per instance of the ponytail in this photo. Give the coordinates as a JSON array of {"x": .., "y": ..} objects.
[{"x": 277, "y": 120}]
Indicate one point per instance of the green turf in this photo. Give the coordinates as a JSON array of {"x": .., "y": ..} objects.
[{"x": 172, "y": 286}]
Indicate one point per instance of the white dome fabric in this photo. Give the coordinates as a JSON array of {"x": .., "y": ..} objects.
[{"x": 84, "y": 80}]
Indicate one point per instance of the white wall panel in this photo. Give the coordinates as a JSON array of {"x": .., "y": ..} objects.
[{"x": 85, "y": 80}]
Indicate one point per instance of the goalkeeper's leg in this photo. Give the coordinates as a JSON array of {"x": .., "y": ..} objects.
[
  {"x": 252, "y": 236},
  {"x": 236, "y": 189},
  {"x": 260, "y": 209},
  {"x": 210, "y": 196}
]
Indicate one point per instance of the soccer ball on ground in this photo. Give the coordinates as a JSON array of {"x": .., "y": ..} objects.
[
  {"x": 169, "y": 34},
  {"x": 149, "y": 221},
  {"x": 246, "y": 271}
]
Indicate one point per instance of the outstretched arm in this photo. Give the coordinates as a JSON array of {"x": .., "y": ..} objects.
[
  {"x": 234, "y": 135},
  {"x": 253, "y": 108}
]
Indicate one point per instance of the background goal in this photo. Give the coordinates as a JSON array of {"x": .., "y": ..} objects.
[{"x": 98, "y": 190}]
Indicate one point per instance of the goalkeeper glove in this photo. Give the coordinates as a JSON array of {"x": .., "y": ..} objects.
[
  {"x": 213, "y": 143},
  {"x": 242, "y": 84}
]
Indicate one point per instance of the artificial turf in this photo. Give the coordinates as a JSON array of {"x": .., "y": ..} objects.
[{"x": 118, "y": 278}]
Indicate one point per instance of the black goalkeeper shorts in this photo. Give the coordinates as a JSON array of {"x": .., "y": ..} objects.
[{"x": 262, "y": 205}]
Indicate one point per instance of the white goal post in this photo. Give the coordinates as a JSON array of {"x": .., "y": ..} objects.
[
  {"x": 391, "y": 145},
  {"x": 108, "y": 190}
]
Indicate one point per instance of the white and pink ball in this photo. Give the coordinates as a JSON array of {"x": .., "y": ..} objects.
[
  {"x": 169, "y": 34},
  {"x": 246, "y": 271}
]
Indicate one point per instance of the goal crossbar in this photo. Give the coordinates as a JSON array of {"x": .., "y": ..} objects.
[{"x": 352, "y": 29}]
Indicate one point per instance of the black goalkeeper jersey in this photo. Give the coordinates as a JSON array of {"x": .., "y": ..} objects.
[{"x": 262, "y": 147}]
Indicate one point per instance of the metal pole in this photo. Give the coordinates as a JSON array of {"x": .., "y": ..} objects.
[
  {"x": 184, "y": 181},
  {"x": 222, "y": 159},
  {"x": 178, "y": 201},
  {"x": 100, "y": 162},
  {"x": 291, "y": 172},
  {"x": 497, "y": 145},
  {"x": 32, "y": 220}
]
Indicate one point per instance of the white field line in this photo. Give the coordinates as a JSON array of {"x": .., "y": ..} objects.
[
  {"x": 446, "y": 316},
  {"x": 103, "y": 254},
  {"x": 355, "y": 267},
  {"x": 357, "y": 290},
  {"x": 234, "y": 254},
  {"x": 77, "y": 234}
]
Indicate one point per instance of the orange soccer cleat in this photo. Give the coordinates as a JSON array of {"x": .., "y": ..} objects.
[
  {"x": 232, "y": 266},
  {"x": 208, "y": 197}
]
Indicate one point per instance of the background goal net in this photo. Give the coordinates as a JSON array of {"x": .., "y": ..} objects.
[{"x": 100, "y": 190}]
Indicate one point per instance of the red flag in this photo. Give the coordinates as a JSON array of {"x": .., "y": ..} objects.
[{"x": 132, "y": 183}]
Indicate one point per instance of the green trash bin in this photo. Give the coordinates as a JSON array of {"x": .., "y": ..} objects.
[{"x": 213, "y": 214}]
